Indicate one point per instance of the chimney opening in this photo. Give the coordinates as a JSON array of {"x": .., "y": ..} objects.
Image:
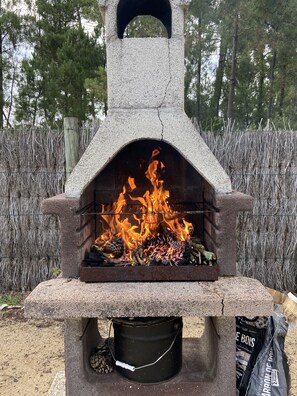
[
  {"x": 144, "y": 26},
  {"x": 127, "y": 10}
]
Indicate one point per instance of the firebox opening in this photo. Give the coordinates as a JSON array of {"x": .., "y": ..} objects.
[
  {"x": 176, "y": 175},
  {"x": 129, "y": 9},
  {"x": 149, "y": 210}
]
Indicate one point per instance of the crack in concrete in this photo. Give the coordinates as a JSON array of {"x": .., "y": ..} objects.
[
  {"x": 166, "y": 89},
  {"x": 223, "y": 306},
  {"x": 222, "y": 301},
  {"x": 161, "y": 122}
]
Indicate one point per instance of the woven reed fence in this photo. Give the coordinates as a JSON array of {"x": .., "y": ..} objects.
[
  {"x": 262, "y": 164},
  {"x": 31, "y": 168}
]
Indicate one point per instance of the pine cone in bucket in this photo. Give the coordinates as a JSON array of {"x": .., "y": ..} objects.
[{"x": 115, "y": 247}]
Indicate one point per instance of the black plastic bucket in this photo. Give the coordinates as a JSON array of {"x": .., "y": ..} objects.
[{"x": 155, "y": 343}]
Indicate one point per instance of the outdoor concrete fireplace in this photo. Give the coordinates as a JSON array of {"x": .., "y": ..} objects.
[
  {"x": 146, "y": 126},
  {"x": 146, "y": 114}
]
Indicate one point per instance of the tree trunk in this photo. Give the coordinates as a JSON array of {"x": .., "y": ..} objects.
[
  {"x": 11, "y": 95},
  {"x": 282, "y": 89},
  {"x": 199, "y": 65},
  {"x": 260, "y": 99},
  {"x": 215, "y": 107},
  {"x": 271, "y": 88},
  {"x": 232, "y": 84}
]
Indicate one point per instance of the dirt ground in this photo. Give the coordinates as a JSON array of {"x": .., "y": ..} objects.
[{"x": 32, "y": 352}]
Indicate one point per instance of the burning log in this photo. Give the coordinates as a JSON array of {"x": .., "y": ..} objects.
[
  {"x": 163, "y": 250},
  {"x": 137, "y": 255}
]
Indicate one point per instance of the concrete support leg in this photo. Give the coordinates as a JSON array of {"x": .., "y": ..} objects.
[
  {"x": 81, "y": 336},
  {"x": 225, "y": 382}
]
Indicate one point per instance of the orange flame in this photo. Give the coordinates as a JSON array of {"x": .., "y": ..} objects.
[{"x": 155, "y": 212}]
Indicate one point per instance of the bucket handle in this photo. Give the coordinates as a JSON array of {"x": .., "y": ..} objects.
[{"x": 133, "y": 368}]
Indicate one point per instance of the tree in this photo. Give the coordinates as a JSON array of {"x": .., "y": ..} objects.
[
  {"x": 201, "y": 42},
  {"x": 65, "y": 55},
  {"x": 145, "y": 26},
  {"x": 233, "y": 76},
  {"x": 97, "y": 88},
  {"x": 274, "y": 51},
  {"x": 219, "y": 75},
  {"x": 240, "y": 60},
  {"x": 254, "y": 45},
  {"x": 10, "y": 36}
]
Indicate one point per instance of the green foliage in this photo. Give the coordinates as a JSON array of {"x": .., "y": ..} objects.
[
  {"x": 264, "y": 64},
  {"x": 200, "y": 44},
  {"x": 97, "y": 89},
  {"x": 245, "y": 70},
  {"x": 55, "y": 271},
  {"x": 145, "y": 26},
  {"x": 65, "y": 55},
  {"x": 11, "y": 298},
  {"x": 11, "y": 34}
]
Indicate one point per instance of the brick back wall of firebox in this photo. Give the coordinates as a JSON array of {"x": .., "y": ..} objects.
[
  {"x": 86, "y": 232},
  {"x": 260, "y": 163}
]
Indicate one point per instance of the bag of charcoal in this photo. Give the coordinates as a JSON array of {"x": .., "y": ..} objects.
[
  {"x": 270, "y": 375},
  {"x": 250, "y": 336}
]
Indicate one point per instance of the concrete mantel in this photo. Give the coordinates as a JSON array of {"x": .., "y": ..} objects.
[{"x": 72, "y": 299}]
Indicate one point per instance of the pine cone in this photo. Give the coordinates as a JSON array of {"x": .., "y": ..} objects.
[
  {"x": 101, "y": 364},
  {"x": 115, "y": 247},
  {"x": 101, "y": 360}
]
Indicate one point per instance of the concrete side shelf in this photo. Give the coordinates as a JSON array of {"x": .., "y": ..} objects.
[{"x": 71, "y": 299}]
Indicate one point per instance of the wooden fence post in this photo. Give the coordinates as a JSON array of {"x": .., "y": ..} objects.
[{"x": 71, "y": 139}]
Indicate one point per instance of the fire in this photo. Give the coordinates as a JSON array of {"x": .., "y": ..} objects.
[{"x": 153, "y": 217}]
